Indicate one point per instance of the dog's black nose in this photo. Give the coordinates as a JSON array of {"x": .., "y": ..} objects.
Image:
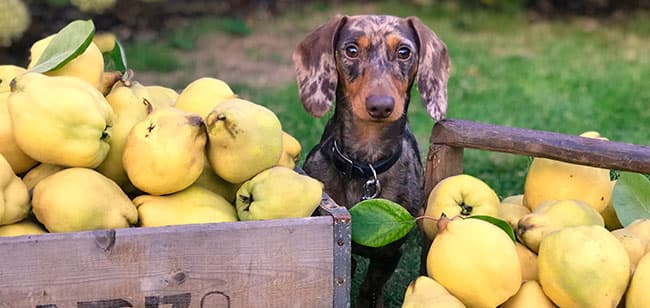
[{"x": 380, "y": 106}]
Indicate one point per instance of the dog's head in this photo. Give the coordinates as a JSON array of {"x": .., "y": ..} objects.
[{"x": 374, "y": 59}]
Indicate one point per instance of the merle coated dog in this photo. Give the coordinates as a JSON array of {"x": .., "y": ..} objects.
[{"x": 367, "y": 64}]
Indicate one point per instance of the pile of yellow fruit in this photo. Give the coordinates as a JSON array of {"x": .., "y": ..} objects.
[
  {"x": 570, "y": 250},
  {"x": 83, "y": 149}
]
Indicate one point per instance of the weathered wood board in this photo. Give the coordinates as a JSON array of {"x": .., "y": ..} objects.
[
  {"x": 450, "y": 137},
  {"x": 274, "y": 263}
]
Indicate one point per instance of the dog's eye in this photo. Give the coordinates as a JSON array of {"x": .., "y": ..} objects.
[
  {"x": 351, "y": 51},
  {"x": 404, "y": 53}
]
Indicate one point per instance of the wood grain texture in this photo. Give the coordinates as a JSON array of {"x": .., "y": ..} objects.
[
  {"x": 274, "y": 263},
  {"x": 573, "y": 149}
]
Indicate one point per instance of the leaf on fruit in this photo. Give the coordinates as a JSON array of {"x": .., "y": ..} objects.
[
  {"x": 499, "y": 223},
  {"x": 66, "y": 45},
  {"x": 631, "y": 197},
  {"x": 379, "y": 222},
  {"x": 116, "y": 59}
]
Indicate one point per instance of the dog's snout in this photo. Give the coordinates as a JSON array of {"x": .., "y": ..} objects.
[{"x": 380, "y": 106}]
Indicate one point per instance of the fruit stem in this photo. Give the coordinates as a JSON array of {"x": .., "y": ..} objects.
[{"x": 442, "y": 222}]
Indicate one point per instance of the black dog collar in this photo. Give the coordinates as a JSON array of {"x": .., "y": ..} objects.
[{"x": 356, "y": 168}]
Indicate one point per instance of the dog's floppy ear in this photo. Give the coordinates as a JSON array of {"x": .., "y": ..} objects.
[
  {"x": 433, "y": 70},
  {"x": 316, "y": 68}
]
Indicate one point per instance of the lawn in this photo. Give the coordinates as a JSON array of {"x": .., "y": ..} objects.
[{"x": 569, "y": 75}]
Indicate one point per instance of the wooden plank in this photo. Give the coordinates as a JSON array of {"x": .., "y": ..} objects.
[
  {"x": 274, "y": 263},
  {"x": 573, "y": 149},
  {"x": 442, "y": 161}
]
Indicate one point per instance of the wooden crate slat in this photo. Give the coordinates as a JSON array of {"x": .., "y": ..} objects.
[
  {"x": 282, "y": 263},
  {"x": 574, "y": 149}
]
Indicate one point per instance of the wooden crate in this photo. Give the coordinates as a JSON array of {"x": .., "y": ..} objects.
[
  {"x": 302, "y": 262},
  {"x": 450, "y": 137}
]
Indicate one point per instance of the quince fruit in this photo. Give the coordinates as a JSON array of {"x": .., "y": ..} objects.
[
  {"x": 637, "y": 292},
  {"x": 425, "y": 292},
  {"x": 468, "y": 247},
  {"x": 202, "y": 95},
  {"x": 278, "y": 192},
  {"x": 38, "y": 173},
  {"x": 530, "y": 294},
  {"x": 23, "y": 227},
  {"x": 14, "y": 198},
  {"x": 164, "y": 153},
  {"x": 8, "y": 73},
  {"x": 60, "y": 120},
  {"x": 193, "y": 205},
  {"x": 583, "y": 266},
  {"x": 129, "y": 110},
  {"x": 88, "y": 66},
  {"x": 511, "y": 210},
  {"x": 19, "y": 161},
  {"x": 551, "y": 216},
  {"x": 460, "y": 195},
  {"x": 549, "y": 179},
  {"x": 290, "y": 151},
  {"x": 80, "y": 199},
  {"x": 244, "y": 139}
]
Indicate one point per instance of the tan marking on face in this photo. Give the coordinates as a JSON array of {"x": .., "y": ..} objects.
[
  {"x": 363, "y": 42},
  {"x": 392, "y": 42}
]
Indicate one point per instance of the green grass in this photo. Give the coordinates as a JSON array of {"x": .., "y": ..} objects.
[
  {"x": 160, "y": 55},
  {"x": 554, "y": 76}
]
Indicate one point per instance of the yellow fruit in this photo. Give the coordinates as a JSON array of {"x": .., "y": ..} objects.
[
  {"x": 529, "y": 295},
  {"x": 514, "y": 199},
  {"x": 193, "y": 205},
  {"x": 105, "y": 41},
  {"x": 14, "y": 199},
  {"x": 556, "y": 180},
  {"x": 637, "y": 293},
  {"x": 8, "y": 73},
  {"x": 164, "y": 153},
  {"x": 78, "y": 199},
  {"x": 161, "y": 97},
  {"x": 609, "y": 214},
  {"x": 634, "y": 245},
  {"x": 244, "y": 139},
  {"x": 290, "y": 151},
  {"x": 38, "y": 173},
  {"x": 19, "y": 161},
  {"x": 14, "y": 21},
  {"x": 551, "y": 216},
  {"x": 640, "y": 228},
  {"x": 217, "y": 185},
  {"x": 528, "y": 262},
  {"x": 202, "y": 95},
  {"x": 23, "y": 227},
  {"x": 584, "y": 266},
  {"x": 635, "y": 237},
  {"x": 460, "y": 195},
  {"x": 128, "y": 110},
  {"x": 88, "y": 66},
  {"x": 512, "y": 212},
  {"x": 425, "y": 292},
  {"x": 475, "y": 261},
  {"x": 60, "y": 120},
  {"x": 278, "y": 192},
  {"x": 93, "y": 6}
]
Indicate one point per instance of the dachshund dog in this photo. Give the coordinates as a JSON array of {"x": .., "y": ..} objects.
[{"x": 368, "y": 64}]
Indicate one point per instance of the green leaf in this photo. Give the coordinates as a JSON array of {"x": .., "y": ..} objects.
[
  {"x": 499, "y": 223},
  {"x": 631, "y": 197},
  {"x": 66, "y": 45},
  {"x": 379, "y": 222},
  {"x": 116, "y": 59}
]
